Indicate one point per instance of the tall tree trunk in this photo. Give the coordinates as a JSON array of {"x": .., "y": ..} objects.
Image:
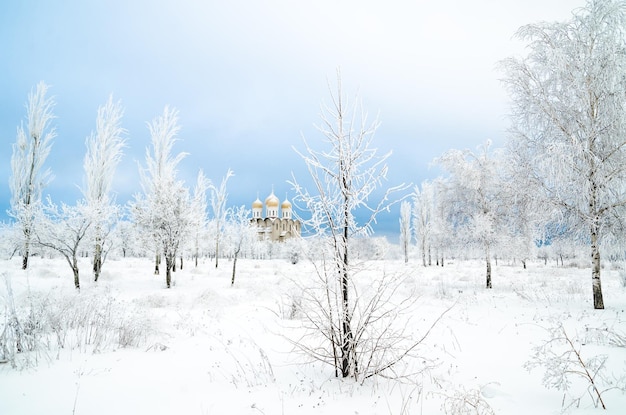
[
  {"x": 26, "y": 252},
  {"x": 97, "y": 259},
  {"x": 406, "y": 252},
  {"x": 346, "y": 347},
  {"x": 25, "y": 259},
  {"x": 232, "y": 280},
  {"x": 157, "y": 262},
  {"x": 217, "y": 246},
  {"x": 488, "y": 260},
  {"x": 423, "y": 251},
  {"x": 169, "y": 264},
  {"x": 75, "y": 270},
  {"x": 598, "y": 301}
]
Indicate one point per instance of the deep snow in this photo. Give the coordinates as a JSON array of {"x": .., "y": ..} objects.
[{"x": 204, "y": 347}]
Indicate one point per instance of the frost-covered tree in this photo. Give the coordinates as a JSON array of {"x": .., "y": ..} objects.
[
  {"x": 477, "y": 208},
  {"x": 440, "y": 232},
  {"x": 569, "y": 100},
  {"x": 422, "y": 219},
  {"x": 28, "y": 176},
  {"x": 104, "y": 151},
  {"x": 344, "y": 176},
  {"x": 199, "y": 207},
  {"x": 164, "y": 209},
  {"x": 239, "y": 233},
  {"x": 525, "y": 215},
  {"x": 63, "y": 230},
  {"x": 126, "y": 239},
  {"x": 405, "y": 229},
  {"x": 218, "y": 204}
]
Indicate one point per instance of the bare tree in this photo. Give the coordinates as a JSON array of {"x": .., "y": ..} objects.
[
  {"x": 104, "y": 151},
  {"x": 164, "y": 211},
  {"x": 218, "y": 203},
  {"x": 405, "y": 229},
  {"x": 344, "y": 176},
  {"x": 569, "y": 96},
  {"x": 29, "y": 155}
]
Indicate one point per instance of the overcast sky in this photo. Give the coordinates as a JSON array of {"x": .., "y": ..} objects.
[{"x": 248, "y": 78}]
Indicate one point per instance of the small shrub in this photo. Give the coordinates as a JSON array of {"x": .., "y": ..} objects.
[
  {"x": 43, "y": 325},
  {"x": 290, "y": 306},
  {"x": 561, "y": 355},
  {"x": 21, "y": 330},
  {"x": 466, "y": 402},
  {"x": 132, "y": 331}
]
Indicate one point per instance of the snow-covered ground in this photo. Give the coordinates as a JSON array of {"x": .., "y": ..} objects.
[{"x": 204, "y": 347}]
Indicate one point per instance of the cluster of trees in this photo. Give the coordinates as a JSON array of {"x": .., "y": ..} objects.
[
  {"x": 167, "y": 218},
  {"x": 561, "y": 179}
]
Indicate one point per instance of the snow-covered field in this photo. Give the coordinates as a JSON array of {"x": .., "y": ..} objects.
[{"x": 203, "y": 347}]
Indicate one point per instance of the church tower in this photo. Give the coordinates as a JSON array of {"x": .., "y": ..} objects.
[
  {"x": 271, "y": 206},
  {"x": 285, "y": 207},
  {"x": 257, "y": 208}
]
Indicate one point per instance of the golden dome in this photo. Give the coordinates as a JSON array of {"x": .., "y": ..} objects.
[
  {"x": 272, "y": 201},
  {"x": 257, "y": 204},
  {"x": 286, "y": 204}
]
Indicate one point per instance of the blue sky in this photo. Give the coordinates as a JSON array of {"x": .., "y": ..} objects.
[{"x": 248, "y": 78}]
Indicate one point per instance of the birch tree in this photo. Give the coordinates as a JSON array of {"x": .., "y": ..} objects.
[
  {"x": 240, "y": 233},
  {"x": 568, "y": 112},
  {"x": 422, "y": 222},
  {"x": 344, "y": 175},
  {"x": 438, "y": 203},
  {"x": 28, "y": 176},
  {"x": 218, "y": 203},
  {"x": 527, "y": 217},
  {"x": 199, "y": 207},
  {"x": 104, "y": 151},
  {"x": 405, "y": 229},
  {"x": 164, "y": 210}
]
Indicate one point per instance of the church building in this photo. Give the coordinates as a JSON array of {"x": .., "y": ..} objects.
[{"x": 271, "y": 227}]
